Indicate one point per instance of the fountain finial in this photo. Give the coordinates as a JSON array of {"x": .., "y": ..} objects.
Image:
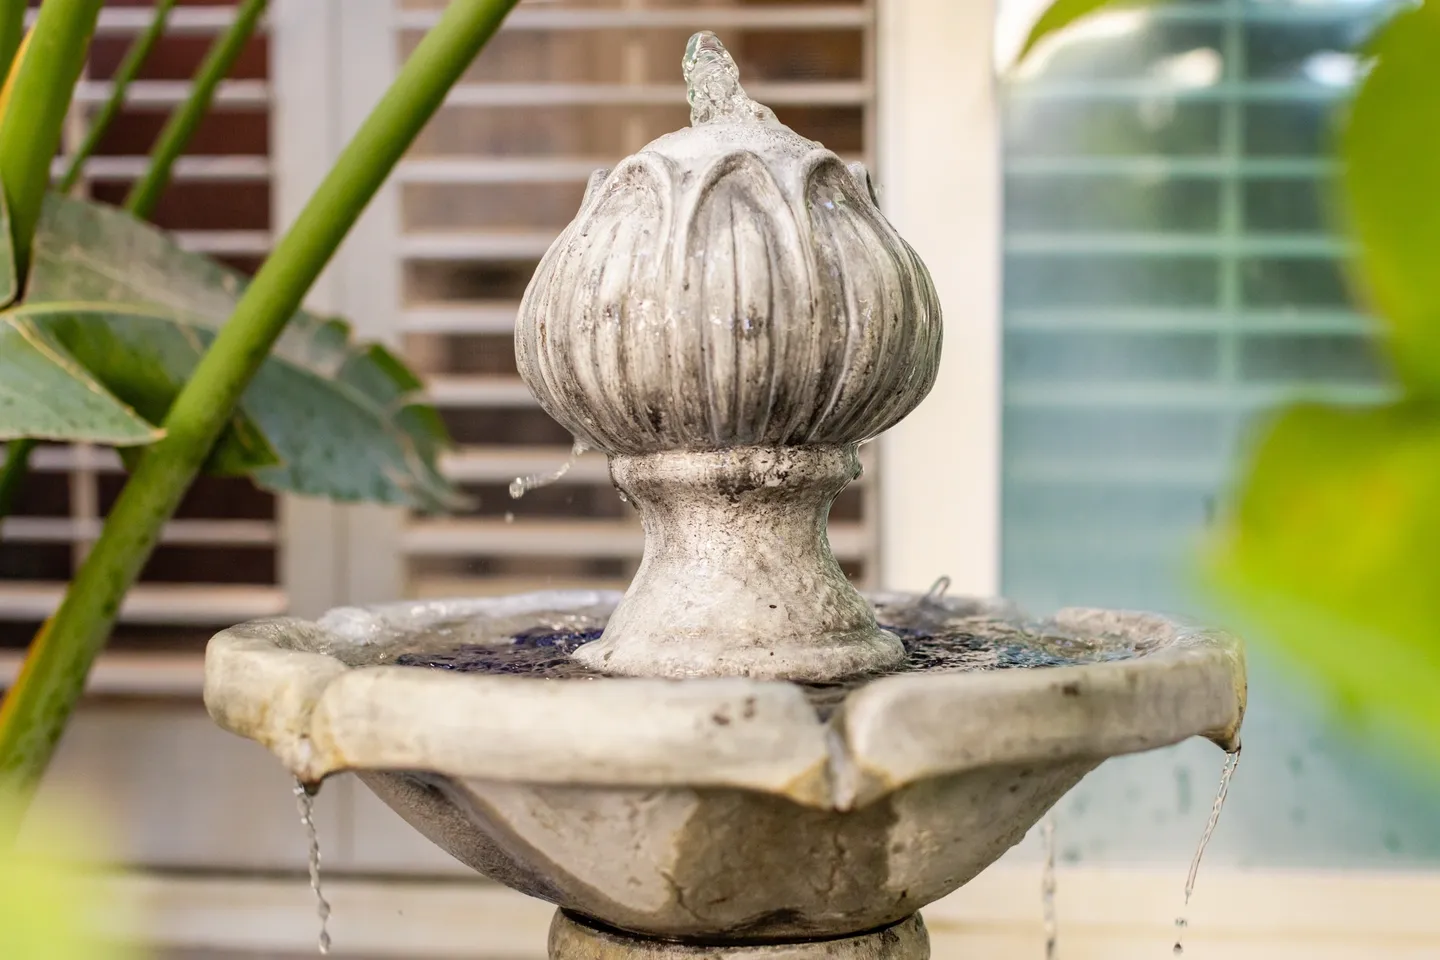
[
  {"x": 712, "y": 84},
  {"x": 728, "y": 316}
]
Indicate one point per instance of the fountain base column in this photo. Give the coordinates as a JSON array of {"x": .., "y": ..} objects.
[
  {"x": 738, "y": 578},
  {"x": 572, "y": 938}
]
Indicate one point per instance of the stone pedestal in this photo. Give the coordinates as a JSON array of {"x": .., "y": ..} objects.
[
  {"x": 573, "y": 938},
  {"x": 738, "y": 578}
]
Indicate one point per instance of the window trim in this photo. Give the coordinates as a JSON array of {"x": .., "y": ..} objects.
[
  {"x": 940, "y": 184},
  {"x": 332, "y": 60}
]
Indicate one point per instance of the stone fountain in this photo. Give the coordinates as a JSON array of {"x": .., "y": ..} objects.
[{"x": 741, "y": 755}]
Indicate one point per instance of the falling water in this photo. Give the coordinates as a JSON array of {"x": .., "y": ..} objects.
[
  {"x": 1232, "y": 760},
  {"x": 1047, "y": 888},
  {"x": 522, "y": 485},
  {"x": 305, "y": 801}
]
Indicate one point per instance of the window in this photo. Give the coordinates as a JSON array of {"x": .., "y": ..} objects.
[
  {"x": 1169, "y": 275},
  {"x": 1169, "y": 272}
]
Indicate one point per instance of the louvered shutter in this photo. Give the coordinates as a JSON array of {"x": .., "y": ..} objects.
[
  {"x": 217, "y": 560},
  {"x": 1169, "y": 274},
  {"x": 564, "y": 89}
]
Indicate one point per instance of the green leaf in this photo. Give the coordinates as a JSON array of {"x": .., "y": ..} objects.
[
  {"x": 1061, "y": 14},
  {"x": 9, "y": 282},
  {"x": 1331, "y": 551},
  {"x": 339, "y": 419},
  {"x": 145, "y": 375},
  {"x": 1392, "y": 187},
  {"x": 46, "y": 394}
]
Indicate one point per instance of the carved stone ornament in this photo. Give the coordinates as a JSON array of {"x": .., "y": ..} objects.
[{"x": 728, "y": 316}]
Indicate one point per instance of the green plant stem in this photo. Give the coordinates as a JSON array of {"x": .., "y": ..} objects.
[
  {"x": 12, "y": 29},
  {"x": 12, "y": 474},
  {"x": 173, "y": 139},
  {"x": 34, "y": 714},
  {"x": 30, "y": 130},
  {"x": 129, "y": 68}
]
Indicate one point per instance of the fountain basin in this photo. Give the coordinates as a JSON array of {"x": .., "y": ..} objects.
[{"x": 715, "y": 809}]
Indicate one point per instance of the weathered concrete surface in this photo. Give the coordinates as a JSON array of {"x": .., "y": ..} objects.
[
  {"x": 738, "y": 578},
  {"x": 721, "y": 806},
  {"x": 731, "y": 864}
]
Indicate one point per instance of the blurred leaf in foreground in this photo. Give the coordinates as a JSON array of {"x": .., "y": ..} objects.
[
  {"x": 1061, "y": 14},
  {"x": 1334, "y": 548},
  {"x": 52, "y": 891},
  {"x": 1334, "y": 551},
  {"x": 1391, "y": 155}
]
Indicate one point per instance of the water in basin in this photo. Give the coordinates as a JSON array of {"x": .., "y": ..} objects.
[{"x": 939, "y": 635}]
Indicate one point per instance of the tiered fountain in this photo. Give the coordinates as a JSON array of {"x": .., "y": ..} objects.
[{"x": 740, "y": 755}]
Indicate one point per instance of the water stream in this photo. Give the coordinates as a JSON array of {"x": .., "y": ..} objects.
[
  {"x": 305, "y": 802},
  {"x": 1232, "y": 760},
  {"x": 1047, "y": 888},
  {"x": 521, "y": 485}
]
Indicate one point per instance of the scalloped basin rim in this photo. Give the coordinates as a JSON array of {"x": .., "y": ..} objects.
[{"x": 320, "y": 716}]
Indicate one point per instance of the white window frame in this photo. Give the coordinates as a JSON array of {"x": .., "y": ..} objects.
[
  {"x": 303, "y": 64},
  {"x": 333, "y": 554},
  {"x": 939, "y": 170}
]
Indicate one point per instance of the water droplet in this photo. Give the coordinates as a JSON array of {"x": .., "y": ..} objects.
[
  {"x": 1047, "y": 888},
  {"x": 305, "y": 802},
  {"x": 1181, "y": 922},
  {"x": 937, "y": 590},
  {"x": 522, "y": 485},
  {"x": 509, "y": 517},
  {"x": 1178, "y": 949}
]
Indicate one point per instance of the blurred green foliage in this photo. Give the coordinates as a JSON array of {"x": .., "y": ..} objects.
[
  {"x": 1331, "y": 546},
  {"x": 1062, "y": 13},
  {"x": 51, "y": 892}
]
